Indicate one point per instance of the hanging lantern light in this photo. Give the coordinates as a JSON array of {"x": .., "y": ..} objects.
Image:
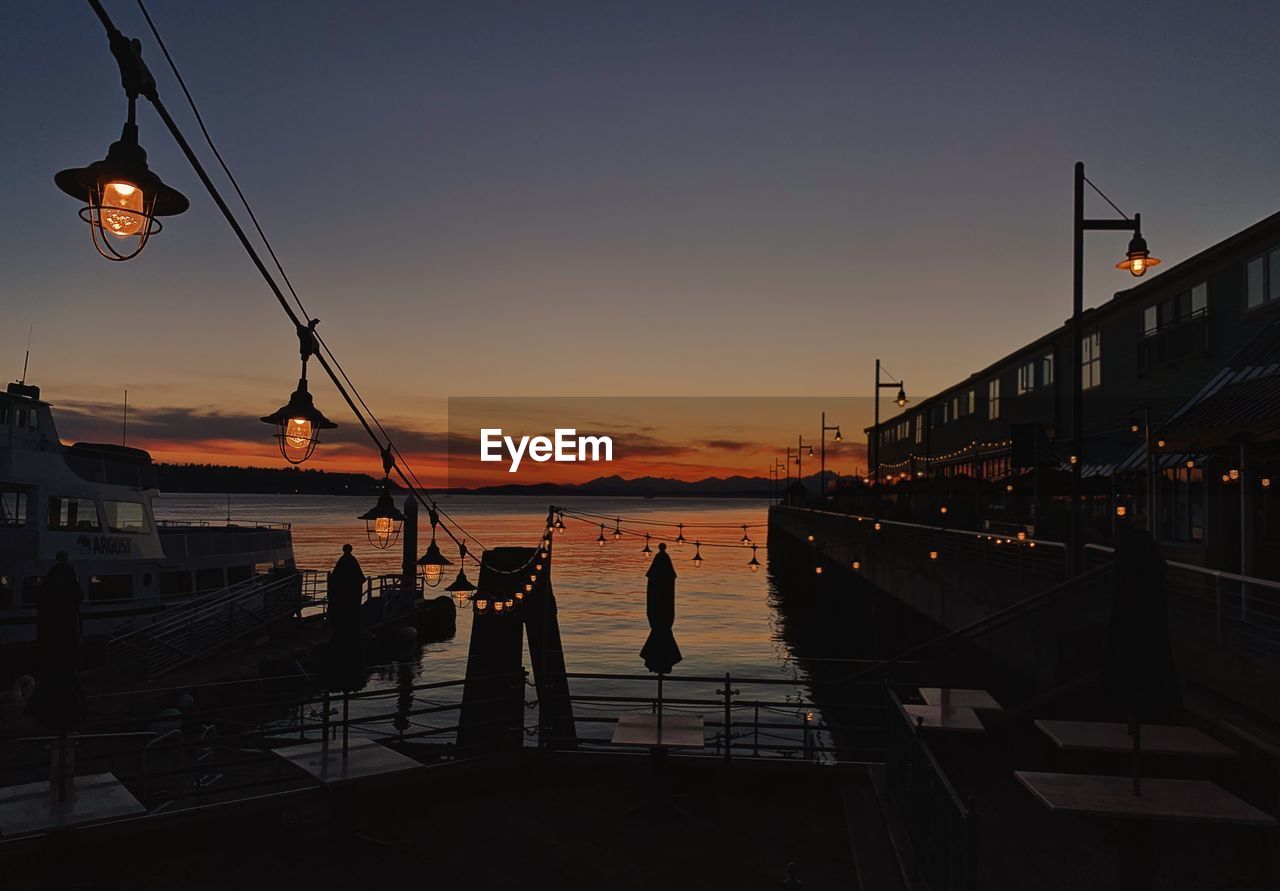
[
  {"x": 560, "y": 522},
  {"x": 499, "y": 606},
  {"x": 600, "y": 540},
  {"x": 1121, "y": 510},
  {"x": 810, "y": 455},
  {"x": 480, "y": 601},
  {"x": 298, "y": 422},
  {"x": 1134, "y": 426},
  {"x": 697, "y": 554},
  {"x": 1266, "y": 482},
  {"x": 857, "y": 565},
  {"x": 876, "y": 527},
  {"x": 647, "y": 551},
  {"x": 839, "y": 437},
  {"x": 943, "y": 510},
  {"x": 1138, "y": 258},
  {"x": 1191, "y": 463},
  {"x": 817, "y": 570},
  {"x": 1234, "y": 474},
  {"x": 433, "y": 562},
  {"x": 511, "y": 601},
  {"x": 746, "y": 539},
  {"x": 901, "y": 399},
  {"x": 680, "y": 534},
  {"x": 384, "y": 520},
  {"x": 617, "y": 529},
  {"x": 933, "y": 555},
  {"x": 461, "y": 587},
  {"x": 753, "y": 562},
  {"x": 809, "y": 538},
  {"x": 124, "y": 198}
]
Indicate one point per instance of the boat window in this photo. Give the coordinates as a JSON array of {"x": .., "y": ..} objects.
[
  {"x": 31, "y": 586},
  {"x": 6, "y": 592},
  {"x": 176, "y": 581},
  {"x": 209, "y": 579},
  {"x": 72, "y": 514},
  {"x": 110, "y": 587},
  {"x": 126, "y": 516},
  {"x": 13, "y": 508}
]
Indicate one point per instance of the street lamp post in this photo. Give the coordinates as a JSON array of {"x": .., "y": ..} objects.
[
  {"x": 900, "y": 400},
  {"x": 822, "y": 475},
  {"x": 1137, "y": 260}
]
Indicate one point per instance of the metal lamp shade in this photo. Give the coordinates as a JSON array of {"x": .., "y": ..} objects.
[{"x": 298, "y": 424}]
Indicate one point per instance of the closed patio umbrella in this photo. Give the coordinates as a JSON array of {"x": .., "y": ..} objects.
[{"x": 660, "y": 652}]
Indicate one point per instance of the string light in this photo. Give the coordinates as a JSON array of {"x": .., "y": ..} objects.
[
  {"x": 753, "y": 562},
  {"x": 746, "y": 539},
  {"x": 433, "y": 562},
  {"x": 648, "y": 551},
  {"x": 298, "y": 422},
  {"x": 857, "y": 565},
  {"x": 680, "y": 536},
  {"x": 617, "y": 529},
  {"x": 600, "y": 540},
  {"x": 933, "y": 555},
  {"x": 697, "y": 554}
]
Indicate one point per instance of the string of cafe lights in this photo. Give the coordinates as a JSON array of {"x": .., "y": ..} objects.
[
  {"x": 298, "y": 422},
  {"x": 679, "y": 540},
  {"x": 125, "y": 200}
]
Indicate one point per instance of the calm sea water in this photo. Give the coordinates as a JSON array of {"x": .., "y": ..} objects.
[{"x": 725, "y": 615}]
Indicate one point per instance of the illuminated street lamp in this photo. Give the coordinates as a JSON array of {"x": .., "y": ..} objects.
[
  {"x": 123, "y": 197},
  {"x": 1138, "y": 259},
  {"x": 298, "y": 422},
  {"x": 899, "y": 400},
  {"x": 822, "y": 474}
]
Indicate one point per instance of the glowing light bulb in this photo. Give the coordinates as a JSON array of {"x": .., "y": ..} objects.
[
  {"x": 382, "y": 529},
  {"x": 297, "y": 434},
  {"x": 121, "y": 211},
  {"x": 1121, "y": 510},
  {"x": 933, "y": 555},
  {"x": 817, "y": 570},
  {"x": 857, "y": 564},
  {"x": 431, "y": 572},
  {"x": 1137, "y": 265}
]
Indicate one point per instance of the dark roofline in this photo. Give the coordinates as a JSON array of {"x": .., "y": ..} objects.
[{"x": 1118, "y": 299}]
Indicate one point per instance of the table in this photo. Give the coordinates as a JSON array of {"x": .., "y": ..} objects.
[
  {"x": 365, "y": 758},
  {"x": 677, "y": 731},
  {"x": 1198, "y": 801},
  {"x": 935, "y": 717},
  {"x": 976, "y": 699},
  {"x": 1156, "y": 739},
  {"x": 30, "y": 807}
]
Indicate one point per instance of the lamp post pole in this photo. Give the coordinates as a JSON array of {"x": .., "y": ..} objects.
[
  {"x": 1137, "y": 263},
  {"x": 901, "y": 400},
  {"x": 822, "y": 475}
]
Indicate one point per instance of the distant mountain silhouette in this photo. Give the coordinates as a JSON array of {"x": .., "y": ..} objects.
[{"x": 292, "y": 480}]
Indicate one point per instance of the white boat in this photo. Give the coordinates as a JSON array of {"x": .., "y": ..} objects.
[{"x": 96, "y": 502}]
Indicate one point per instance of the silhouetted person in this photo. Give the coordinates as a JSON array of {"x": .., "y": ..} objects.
[
  {"x": 58, "y": 702},
  {"x": 346, "y": 588},
  {"x": 1139, "y": 665},
  {"x": 660, "y": 652}
]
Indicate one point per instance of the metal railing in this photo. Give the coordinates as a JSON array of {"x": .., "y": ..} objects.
[
  {"x": 205, "y": 624},
  {"x": 1226, "y": 610},
  {"x": 943, "y": 827}
]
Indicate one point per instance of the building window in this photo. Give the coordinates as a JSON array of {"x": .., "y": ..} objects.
[
  {"x": 993, "y": 399},
  {"x": 126, "y": 516},
  {"x": 1262, "y": 279},
  {"x": 13, "y": 509},
  {"x": 73, "y": 515},
  {"x": 1091, "y": 360},
  {"x": 961, "y": 405},
  {"x": 1046, "y": 370},
  {"x": 919, "y": 425},
  {"x": 1026, "y": 377}
]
